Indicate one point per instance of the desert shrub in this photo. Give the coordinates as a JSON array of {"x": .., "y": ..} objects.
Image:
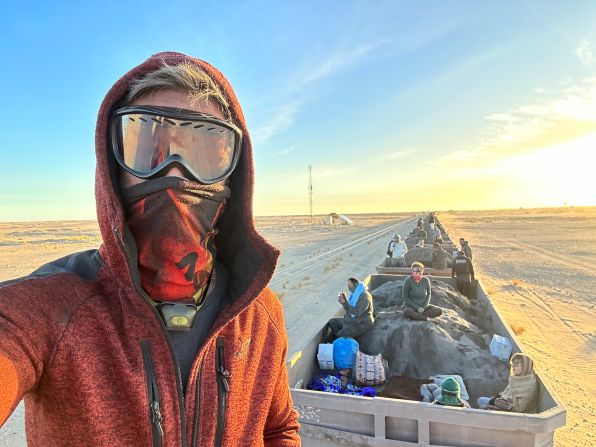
[{"x": 518, "y": 329}]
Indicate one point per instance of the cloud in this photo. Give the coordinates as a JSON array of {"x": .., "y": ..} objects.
[
  {"x": 584, "y": 52},
  {"x": 396, "y": 155},
  {"x": 569, "y": 115},
  {"x": 285, "y": 151},
  {"x": 338, "y": 61},
  {"x": 552, "y": 161},
  {"x": 282, "y": 119}
]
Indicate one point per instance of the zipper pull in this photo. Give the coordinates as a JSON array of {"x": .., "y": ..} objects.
[
  {"x": 156, "y": 416},
  {"x": 221, "y": 370},
  {"x": 224, "y": 376}
]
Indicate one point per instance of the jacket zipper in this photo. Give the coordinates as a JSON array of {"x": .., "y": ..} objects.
[
  {"x": 223, "y": 388},
  {"x": 195, "y": 436},
  {"x": 152, "y": 394},
  {"x": 180, "y": 394}
]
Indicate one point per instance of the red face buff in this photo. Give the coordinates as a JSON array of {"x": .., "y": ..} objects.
[
  {"x": 417, "y": 276},
  {"x": 173, "y": 223}
]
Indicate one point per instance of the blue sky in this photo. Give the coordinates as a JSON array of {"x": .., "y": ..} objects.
[{"x": 398, "y": 105}]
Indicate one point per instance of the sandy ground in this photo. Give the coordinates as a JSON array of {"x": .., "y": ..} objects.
[
  {"x": 309, "y": 298},
  {"x": 538, "y": 266}
]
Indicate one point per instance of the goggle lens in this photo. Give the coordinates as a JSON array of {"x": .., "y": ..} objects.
[{"x": 146, "y": 142}]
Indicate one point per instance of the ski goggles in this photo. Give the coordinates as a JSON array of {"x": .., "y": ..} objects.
[{"x": 147, "y": 139}]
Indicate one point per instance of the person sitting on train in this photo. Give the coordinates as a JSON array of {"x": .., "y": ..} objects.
[
  {"x": 440, "y": 258},
  {"x": 521, "y": 395},
  {"x": 421, "y": 233},
  {"x": 359, "y": 311},
  {"x": 431, "y": 221},
  {"x": 450, "y": 394},
  {"x": 416, "y": 293}
]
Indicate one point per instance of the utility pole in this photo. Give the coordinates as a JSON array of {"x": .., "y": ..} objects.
[{"x": 310, "y": 190}]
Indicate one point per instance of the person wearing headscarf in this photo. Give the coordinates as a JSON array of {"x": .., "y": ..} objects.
[
  {"x": 521, "y": 395},
  {"x": 450, "y": 394}
]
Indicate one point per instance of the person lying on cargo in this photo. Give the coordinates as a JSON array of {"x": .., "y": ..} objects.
[
  {"x": 521, "y": 395},
  {"x": 465, "y": 246},
  {"x": 359, "y": 311},
  {"x": 416, "y": 293},
  {"x": 450, "y": 394},
  {"x": 463, "y": 271},
  {"x": 167, "y": 335},
  {"x": 440, "y": 258},
  {"x": 396, "y": 251}
]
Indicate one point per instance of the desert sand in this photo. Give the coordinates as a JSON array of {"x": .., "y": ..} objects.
[
  {"x": 309, "y": 298},
  {"x": 538, "y": 266},
  {"x": 535, "y": 263}
]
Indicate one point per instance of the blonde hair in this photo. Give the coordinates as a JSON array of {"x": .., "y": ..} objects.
[
  {"x": 186, "y": 77},
  {"x": 420, "y": 265}
]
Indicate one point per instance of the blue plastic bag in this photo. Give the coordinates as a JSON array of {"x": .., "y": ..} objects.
[{"x": 344, "y": 351}]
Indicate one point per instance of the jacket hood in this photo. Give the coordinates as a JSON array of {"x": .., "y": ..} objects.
[{"x": 249, "y": 259}]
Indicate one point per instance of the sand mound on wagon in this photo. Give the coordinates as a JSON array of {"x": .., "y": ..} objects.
[{"x": 455, "y": 343}]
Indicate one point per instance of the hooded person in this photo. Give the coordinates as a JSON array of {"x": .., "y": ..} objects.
[
  {"x": 450, "y": 394},
  {"x": 168, "y": 334},
  {"x": 521, "y": 394}
]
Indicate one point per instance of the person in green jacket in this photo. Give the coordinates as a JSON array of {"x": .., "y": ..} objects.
[
  {"x": 450, "y": 394},
  {"x": 416, "y": 293},
  {"x": 359, "y": 311}
]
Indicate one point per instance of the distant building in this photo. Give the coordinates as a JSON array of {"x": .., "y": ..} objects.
[{"x": 337, "y": 219}]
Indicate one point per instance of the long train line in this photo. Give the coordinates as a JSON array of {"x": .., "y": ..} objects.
[{"x": 331, "y": 254}]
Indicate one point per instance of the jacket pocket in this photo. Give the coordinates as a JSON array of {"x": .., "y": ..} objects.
[
  {"x": 223, "y": 388},
  {"x": 152, "y": 395}
]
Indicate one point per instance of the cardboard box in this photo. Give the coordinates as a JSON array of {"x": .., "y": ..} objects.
[
  {"x": 500, "y": 347},
  {"x": 325, "y": 356}
]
